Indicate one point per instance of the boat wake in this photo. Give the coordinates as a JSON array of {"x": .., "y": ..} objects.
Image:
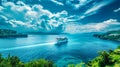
[{"x": 23, "y": 47}]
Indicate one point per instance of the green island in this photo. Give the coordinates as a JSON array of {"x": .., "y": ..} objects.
[
  {"x": 110, "y": 35},
  {"x": 105, "y": 59},
  {"x": 7, "y": 33}
]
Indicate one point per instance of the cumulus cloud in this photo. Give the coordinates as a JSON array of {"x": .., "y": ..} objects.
[
  {"x": 35, "y": 18},
  {"x": 107, "y": 25},
  {"x": 117, "y": 10},
  {"x": 31, "y": 18}
]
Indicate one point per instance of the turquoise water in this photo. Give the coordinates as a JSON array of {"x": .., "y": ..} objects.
[{"x": 81, "y": 47}]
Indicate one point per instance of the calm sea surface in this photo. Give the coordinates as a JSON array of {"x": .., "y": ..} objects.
[{"x": 81, "y": 47}]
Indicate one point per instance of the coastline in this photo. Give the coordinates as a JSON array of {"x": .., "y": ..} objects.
[{"x": 7, "y": 33}]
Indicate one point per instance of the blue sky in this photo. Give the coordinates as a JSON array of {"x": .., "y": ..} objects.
[
  {"x": 86, "y": 10},
  {"x": 60, "y": 15}
]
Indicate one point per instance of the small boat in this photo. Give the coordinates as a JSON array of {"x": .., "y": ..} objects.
[{"x": 61, "y": 40}]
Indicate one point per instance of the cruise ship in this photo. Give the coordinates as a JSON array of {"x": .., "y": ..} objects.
[{"x": 61, "y": 40}]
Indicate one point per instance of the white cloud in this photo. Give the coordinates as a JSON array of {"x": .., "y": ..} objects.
[
  {"x": 93, "y": 27},
  {"x": 34, "y": 18},
  {"x": 82, "y": 17},
  {"x": 3, "y": 18},
  {"x": 98, "y": 6},
  {"x": 78, "y": 4},
  {"x": 20, "y": 3},
  {"x": 90, "y": 9},
  {"x": 94, "y": 9},
  {"x": 57, "y": 2},
  {"x": 15, "y": 23},
  {"x": 117, "y": 10},
  {"x": 1, "y": 8}
]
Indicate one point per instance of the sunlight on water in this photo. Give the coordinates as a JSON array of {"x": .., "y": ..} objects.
[{"x": 23, "y": 47}]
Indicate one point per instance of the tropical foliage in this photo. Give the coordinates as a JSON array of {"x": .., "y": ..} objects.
[
  {"x": 105, "y": 59},
  {"x": 14, "y": 61}
]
